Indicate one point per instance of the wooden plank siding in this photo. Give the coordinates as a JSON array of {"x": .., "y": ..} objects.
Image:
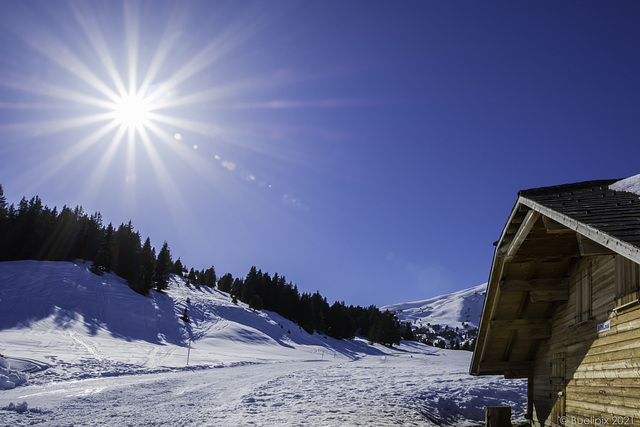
[{"x": 602, "y": 370}]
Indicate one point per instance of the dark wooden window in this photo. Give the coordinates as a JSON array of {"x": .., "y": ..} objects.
[{"x": 627, "y": 281}]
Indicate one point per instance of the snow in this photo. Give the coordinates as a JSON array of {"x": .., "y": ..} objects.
[
  {"x": 10, "y": 378},
  {"x": 93, "y": 352},
  {"x": 452, "y": 309},
  {"x": 631, "y": 184}
]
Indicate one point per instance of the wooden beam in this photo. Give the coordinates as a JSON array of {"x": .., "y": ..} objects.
[
  {"x": 513, "y": 335},
  {"x": 530, "y": 329},
  {"x": 514, "y": 375},
  {"x": 554, "y": 227},
  {"x": 520, "y": 324},
  {"x": 549, "y": 295},
  {"x": 545, "y": 246},
  {"x": 539, "y": 334},
  {"x": 589, "y": 247},
  {"x": 530, "y": 397},
  {"x": 506, "y": 366},
  {"x": 522, "y": 233},
  {"x": 534, "y": 285}
]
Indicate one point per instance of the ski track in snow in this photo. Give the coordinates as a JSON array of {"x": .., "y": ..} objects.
[
  {"x": 99, "y": 354},
  {"x": 410, "y": 386}
]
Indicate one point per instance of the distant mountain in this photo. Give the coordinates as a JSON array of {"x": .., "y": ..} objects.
[
  {"x": 452, "y": 309},
  {"x": 444, "y": 319}
]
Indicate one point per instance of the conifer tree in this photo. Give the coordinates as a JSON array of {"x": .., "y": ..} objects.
[
  {"x": 3, "y": 204},
  {"x": 249, "y": 287},
  {"x": 148, "y": 266},
  {"x": 91, "y": 237},
  {"x": 209, "y": 277},
  {"x": 4, "y": 225},
  {"x": 305, "y": 315},
  {"x": 200, "y": 281},
  {"x": 178, "y": 268},
  {"x": 102, "y": 262},
  {"x": 387, "y": 329},
  {"x": 407, "y": 332},
  {"x": 256, "y": 303},
  {"x": 236, "y": 288},
  {"x": 163, "y": 268},
  {"x": 126, "y": 261},
  {"x": 225, "y": 283}
]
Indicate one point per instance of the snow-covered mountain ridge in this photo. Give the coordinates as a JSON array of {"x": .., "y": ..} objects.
[
  {"x": 453, "y": 309},
  {"x": 445, "y": 319},
  {"x": 85, "y": 349}
]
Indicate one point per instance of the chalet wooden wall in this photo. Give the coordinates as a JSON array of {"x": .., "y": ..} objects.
[{"x": 601, "y": 377}]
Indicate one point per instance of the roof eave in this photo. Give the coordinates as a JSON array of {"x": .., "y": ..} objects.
[{"x": 490, "y": 296}]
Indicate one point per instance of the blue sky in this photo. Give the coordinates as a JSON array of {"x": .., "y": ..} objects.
[{"x": 369, "y": 150}]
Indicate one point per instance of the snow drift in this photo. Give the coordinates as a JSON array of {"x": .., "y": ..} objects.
[{"x": 9, "y": 378}]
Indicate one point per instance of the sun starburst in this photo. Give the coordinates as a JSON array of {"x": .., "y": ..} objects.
[
  {"x": 132, "y": 111},
  {"x": 137, "y": 102}
]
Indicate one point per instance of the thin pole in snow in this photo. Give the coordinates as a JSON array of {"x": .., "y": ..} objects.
[{"x": 188, "y": 352}]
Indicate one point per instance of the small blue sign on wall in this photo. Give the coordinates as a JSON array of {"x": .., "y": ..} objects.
[{"x": 604, "y": 327}]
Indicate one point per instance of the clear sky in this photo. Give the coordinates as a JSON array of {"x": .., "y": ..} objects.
[{"x": 371, "y": 150}]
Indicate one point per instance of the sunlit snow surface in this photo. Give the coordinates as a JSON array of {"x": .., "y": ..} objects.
[{"x": 99, "y": 354}]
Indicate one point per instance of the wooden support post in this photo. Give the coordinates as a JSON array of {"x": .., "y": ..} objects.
[
  {"x": 529, "y": 414},
  {"x": 497, "y": 416}
]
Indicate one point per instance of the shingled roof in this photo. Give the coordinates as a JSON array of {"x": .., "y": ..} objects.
[{"x": 593, "y": 203}]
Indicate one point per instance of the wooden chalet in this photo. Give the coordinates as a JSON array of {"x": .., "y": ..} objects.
[{"x": 562, "y": 306}]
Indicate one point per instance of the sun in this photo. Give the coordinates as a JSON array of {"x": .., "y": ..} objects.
[{"x": 132, "y": 111}]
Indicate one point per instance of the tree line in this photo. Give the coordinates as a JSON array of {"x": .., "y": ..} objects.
[
  {"x": 32, "y": 230},
  {"x": 312, "y": 312}
]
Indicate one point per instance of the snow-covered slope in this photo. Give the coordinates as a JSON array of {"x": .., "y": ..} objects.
[
  {"x": 452, "y": 309},
  {"x": 87, "y": 350},
  {"x": 61, "y": 310}
]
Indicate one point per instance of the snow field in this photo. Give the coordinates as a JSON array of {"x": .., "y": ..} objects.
[
  {"x": 412, "y": 385},
  {"x": 96, "y": 353}
]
